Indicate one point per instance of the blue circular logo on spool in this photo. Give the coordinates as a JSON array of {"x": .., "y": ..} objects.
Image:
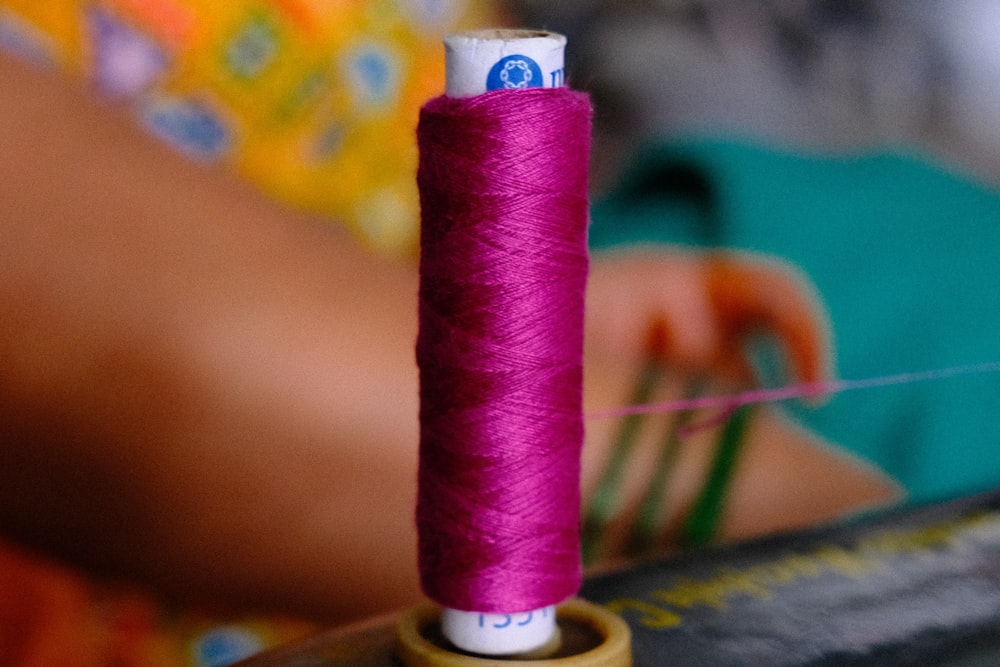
[{"x": 514, "y": 72}]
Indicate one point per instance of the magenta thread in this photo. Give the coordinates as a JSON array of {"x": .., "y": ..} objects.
[
  {"x": 503, "y": 267},
  {"x": 728, "y": 403}
]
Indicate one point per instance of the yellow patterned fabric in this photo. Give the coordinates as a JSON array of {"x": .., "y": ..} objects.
[{"x": 315, "y": 101}]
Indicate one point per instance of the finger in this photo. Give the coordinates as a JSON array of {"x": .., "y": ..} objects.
[
  {"x": 643, "y": 305},
  {"x": 750, "y": 296},
  {"x": 681, "y": 330}
]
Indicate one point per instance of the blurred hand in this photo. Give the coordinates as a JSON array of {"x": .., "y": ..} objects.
[{"x": 694, "y": 312}]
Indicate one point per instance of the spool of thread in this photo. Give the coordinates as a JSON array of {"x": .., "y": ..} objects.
[{"x": 503, "y": 187}]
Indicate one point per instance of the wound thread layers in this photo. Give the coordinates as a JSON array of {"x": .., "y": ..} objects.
[{"x": 503, "y": 266}]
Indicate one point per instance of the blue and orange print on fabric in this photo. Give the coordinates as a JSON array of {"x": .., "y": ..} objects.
[{"x": 314, "y": 101}]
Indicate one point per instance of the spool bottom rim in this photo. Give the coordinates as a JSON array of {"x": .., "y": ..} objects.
[{"x": 419, "y": 642}]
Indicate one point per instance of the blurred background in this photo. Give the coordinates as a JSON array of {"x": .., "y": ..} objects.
[{"x": 809, "y": 73}]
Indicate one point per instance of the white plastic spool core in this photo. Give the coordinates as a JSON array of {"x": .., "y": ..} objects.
[
  {"x": 481, "y": 60},
  {"x": 476, "y": 62},
  {"x": 499, "y": 634}
]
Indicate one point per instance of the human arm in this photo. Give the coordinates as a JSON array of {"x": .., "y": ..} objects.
[{"x": 199, "y": 389}]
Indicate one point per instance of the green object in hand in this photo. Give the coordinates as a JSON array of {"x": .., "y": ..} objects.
[{"x": 702, "y": 523}]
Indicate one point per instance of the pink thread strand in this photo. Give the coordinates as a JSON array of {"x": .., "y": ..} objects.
[
  {"x": 730, "y": 402},
  {"x": 503, "y": 266}
]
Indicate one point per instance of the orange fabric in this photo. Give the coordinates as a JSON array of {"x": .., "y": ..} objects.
[{"x": 51, "y": 616}]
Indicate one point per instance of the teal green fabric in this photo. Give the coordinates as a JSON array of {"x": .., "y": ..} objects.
[{"x": 904, "y": 255}]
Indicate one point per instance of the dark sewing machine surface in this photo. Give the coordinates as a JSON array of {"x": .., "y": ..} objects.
[{"x": 913, "y": 587}]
